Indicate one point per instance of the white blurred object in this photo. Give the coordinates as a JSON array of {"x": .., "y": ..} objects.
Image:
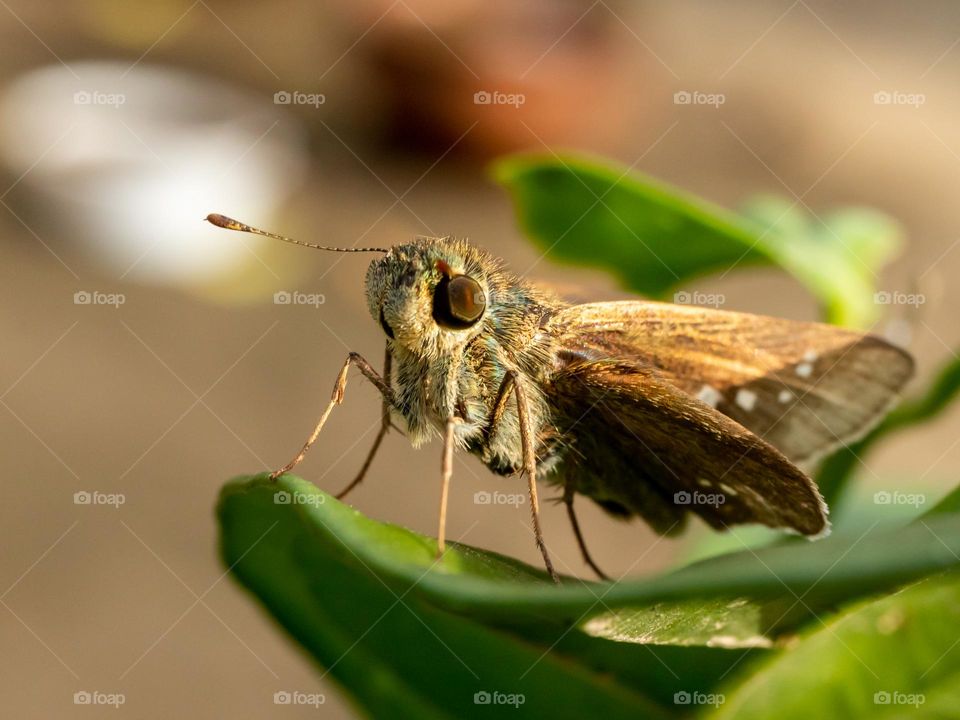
[{"x": 133, "y": 160}]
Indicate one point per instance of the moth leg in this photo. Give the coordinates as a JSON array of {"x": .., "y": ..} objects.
[
  {"x": 336, "y": 398},
  {"x": 568, "y": 494},
  {"x": 385, "y": 425},
  {"x": 446, "y": 472},
  {"x": 499, "y": 406},
  {"x": 530, "y": 468}
]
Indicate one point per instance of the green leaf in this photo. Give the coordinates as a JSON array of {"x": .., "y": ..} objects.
[
  {"x": 652, "y": 236},
  {"x": 837, "y": 256},
  {"x": 412, "y": 636},
  {"x": 894, "y": 657},
  {"x": 836, "y": 471},
  {"x": 345, "y": 588},
  {"x": 506, "y": 592},
  {"x": 655, "y": 238}
]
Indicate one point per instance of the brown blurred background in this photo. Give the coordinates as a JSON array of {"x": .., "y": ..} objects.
[{"x": 123, "y": 124}]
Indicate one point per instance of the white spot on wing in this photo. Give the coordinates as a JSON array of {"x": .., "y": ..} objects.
[
  {"x": 785, "y": 396},
  {"x": 757, "y": 497},
  {"x": 746, "y": 399},
  {"x": 804, "y": 370},
  {"x": 703, "y": 482},
  {"x": 728, "y": 490},
  {"x": 709, "y": 395}
]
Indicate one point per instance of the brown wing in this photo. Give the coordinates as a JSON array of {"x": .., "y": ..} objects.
[
  {"x": 639, "y": 445},
  {"x": 806, "y": 388}
]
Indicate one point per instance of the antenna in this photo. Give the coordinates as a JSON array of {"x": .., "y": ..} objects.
[{"x": 231, "y": 224}]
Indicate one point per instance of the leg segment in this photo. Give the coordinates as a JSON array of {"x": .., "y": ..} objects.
[
  {"x": 335, "y": 399},
  {"x": 530, "y": 468},
  {"x": 568, "y": 501},
  {"x": 499, "y": 406},
  {"x": 446, "y": 471},
  {"x": 384, "y": 427}
]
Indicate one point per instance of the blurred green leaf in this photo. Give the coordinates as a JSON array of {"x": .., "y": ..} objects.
[
  {"x": 838, "y": 257},
  {"x": 654, "y": 237},
  {"x": 948, "y": 504},
  {"x": 836, "y": 470},
  {"x": 894, "y": 657}
]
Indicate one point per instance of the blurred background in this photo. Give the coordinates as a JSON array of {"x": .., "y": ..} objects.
[{"x": 147, "y": 357}]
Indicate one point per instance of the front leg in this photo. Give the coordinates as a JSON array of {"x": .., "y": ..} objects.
[
  {"x": 385, "y": 425},
  {"x": 337, "y": 398}
]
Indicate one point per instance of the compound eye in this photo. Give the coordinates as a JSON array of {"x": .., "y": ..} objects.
[{"x": 458, "y": 302}]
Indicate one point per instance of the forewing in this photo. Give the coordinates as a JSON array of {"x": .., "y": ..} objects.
[
  {"x": 627, "y": 429},
  {"x": 806, "y": 388}
]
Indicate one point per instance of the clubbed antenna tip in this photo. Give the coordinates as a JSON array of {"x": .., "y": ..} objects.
[{"x": 231, "y": 224}]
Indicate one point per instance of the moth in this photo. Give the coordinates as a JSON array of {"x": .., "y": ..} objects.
[{"x": 649, "y": 409}]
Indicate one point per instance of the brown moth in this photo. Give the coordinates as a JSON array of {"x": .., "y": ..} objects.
[{"x": 649, "y": 409}]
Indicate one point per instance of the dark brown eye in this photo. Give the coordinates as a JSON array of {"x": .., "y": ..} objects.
[{"x": 458, "y": 302}]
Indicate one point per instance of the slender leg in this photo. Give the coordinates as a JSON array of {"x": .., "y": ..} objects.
[
  {"x": 568, "y": 501},
  {"x": 335, "y": 399},
  {"x": 446, "y": 471},
  {"x": 530, "y": 467},
  {"x": 384, "y": 427},
  {"x": 499, "y": 406}
]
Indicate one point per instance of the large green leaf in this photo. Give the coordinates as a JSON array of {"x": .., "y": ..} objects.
[
  {"x": 345, "y": 588},
  {"x": 889, "y": 658},
  {"x": 655, "y": 238},
  {"x": 506, "y": 592},
  {"x": 373, "y": 604}
]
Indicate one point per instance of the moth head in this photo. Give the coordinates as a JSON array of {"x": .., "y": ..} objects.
[{"x": 431, "y": 296}]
